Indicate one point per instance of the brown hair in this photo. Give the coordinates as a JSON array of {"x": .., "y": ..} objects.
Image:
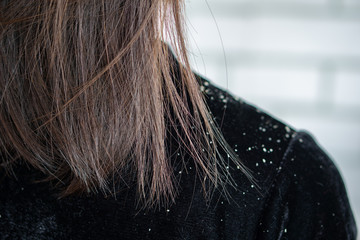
[{"x": 88, "y": 96}]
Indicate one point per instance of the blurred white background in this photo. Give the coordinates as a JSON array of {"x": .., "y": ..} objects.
[{"x": 297, "y": 59}]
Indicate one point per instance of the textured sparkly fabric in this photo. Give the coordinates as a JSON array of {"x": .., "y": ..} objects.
[{"x": 300, "y": 196}]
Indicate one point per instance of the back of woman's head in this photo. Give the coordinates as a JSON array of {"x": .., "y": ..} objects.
[{"x": 89, "y": 95}]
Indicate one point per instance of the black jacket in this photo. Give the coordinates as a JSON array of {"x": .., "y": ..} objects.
[{"x": 300, "y": 196}]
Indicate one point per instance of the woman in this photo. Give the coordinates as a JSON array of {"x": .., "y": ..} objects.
[{"x": 104, "y": 135}]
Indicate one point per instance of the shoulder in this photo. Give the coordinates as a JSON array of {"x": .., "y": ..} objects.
[{"x": 299, "y": 194}]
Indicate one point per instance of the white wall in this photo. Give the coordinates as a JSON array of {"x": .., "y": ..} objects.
[{"x": 297, "y": 59}]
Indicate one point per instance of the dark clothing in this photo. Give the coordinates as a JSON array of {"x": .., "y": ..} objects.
[{"x": 300, "y": 193}]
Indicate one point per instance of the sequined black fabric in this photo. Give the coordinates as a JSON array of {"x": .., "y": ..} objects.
[{"x": 300, "y": 194}]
